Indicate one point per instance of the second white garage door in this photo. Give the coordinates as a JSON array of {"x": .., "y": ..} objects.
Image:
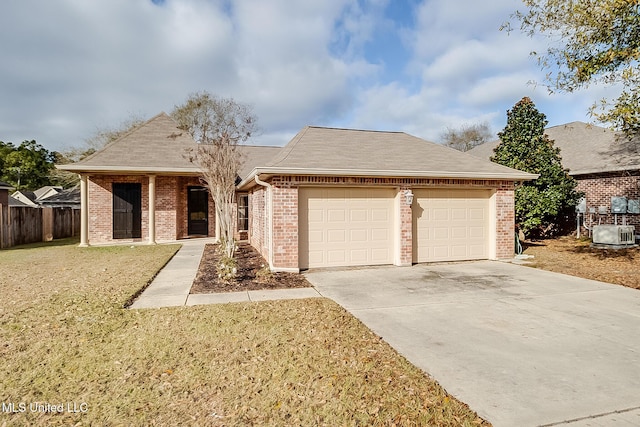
[
  {"x": 450, "y": 225},
  {"x": 345, "y": 226}
]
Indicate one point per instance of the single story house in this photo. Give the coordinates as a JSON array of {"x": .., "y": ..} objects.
[
  {"x": 605, "y": 164},
  {"x": 330, "y": 197},
  {"x": 67, "y": 198}
]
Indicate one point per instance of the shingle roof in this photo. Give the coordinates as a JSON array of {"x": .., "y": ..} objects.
[
  {"x": 329, "y": 151},
  {"x": 585, "y": 149},
  {"x": 64, "y": 197},
  {"x": 15, "y": 202},
  {"x": 5, "y": 186},
  {"x": 158, "y": 146}
]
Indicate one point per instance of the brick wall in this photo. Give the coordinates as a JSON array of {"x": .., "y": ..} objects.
[
  {"x": 257, "y": 220},
  {"x": 285, "y": 223},
  {"x": 406, "y": 229},
  {"x": 505, "y": 220},
  {"x": 600, "y": 188},
  {"x": 285, "y": 215},
  {"x": 171, "y": 207}
]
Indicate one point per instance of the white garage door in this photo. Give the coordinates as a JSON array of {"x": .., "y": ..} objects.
[
  {"x": 450, "y": 225},
  {"x": 345, "y": 226}
]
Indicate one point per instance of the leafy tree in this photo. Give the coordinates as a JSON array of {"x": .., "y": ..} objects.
[
  {"x": 594, "y": 41},
  {"x": 27, "y": 166},
  {"x": 218, "y": 125},
  {"x": 467, "y": 137},
  {"x": 541, "y": 204}
]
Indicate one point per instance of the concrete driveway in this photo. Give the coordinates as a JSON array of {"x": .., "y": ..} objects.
[{"x": 520, "y": 346}]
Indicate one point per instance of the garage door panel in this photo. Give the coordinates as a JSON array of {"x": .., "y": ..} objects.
[
  {"x": 359, "y": 235},
  {"x": 336, "y": 215},
  {"x": 450, "y": 224},
  {"x": 358, "y": 215},
  {"x": 380, "y": 235},
  {"x": 316, "y": 215},
  {"x": 380, "y": 214},
  {"x": 356, "y": 225}
]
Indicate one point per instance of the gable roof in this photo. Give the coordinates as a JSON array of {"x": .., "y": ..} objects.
[
  {"x": 158, "y": 146},
  {"x": 330, "y": 151},
  {"x": 585, "y": 149},
  {"x": 5, "y": 186},
  {"x": 26, "y": 197},
  {"x": 46, "y": 191}
]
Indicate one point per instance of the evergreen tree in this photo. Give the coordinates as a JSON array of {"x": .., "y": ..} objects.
[{"x": 543, "y": 205}]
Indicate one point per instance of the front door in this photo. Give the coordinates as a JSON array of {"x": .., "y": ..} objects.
[
  {"x": 127, "y": 211},
  {"x": 198, "y": 211}
]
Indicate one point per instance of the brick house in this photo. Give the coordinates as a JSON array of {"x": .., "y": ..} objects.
[
  {"x": 603, "y": 162},
  {"x": 330, "y": 197}
]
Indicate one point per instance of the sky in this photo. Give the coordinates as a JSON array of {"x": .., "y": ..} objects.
[{"x": 69, "y": 68}]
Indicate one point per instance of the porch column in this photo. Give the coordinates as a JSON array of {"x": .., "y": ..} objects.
[
  {"x": 152, "y": 209},
  {"x": 84, "y": 211}
]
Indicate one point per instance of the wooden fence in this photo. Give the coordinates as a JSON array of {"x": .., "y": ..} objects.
[{"x": 20, "y": 225}]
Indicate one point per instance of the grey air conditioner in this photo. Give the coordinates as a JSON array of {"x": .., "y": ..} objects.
[{"x": 614, "y": 234}]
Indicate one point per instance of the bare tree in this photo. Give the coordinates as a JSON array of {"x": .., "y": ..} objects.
[
  {"x": 467, "y": 137},
  {"x": 218, "y": 125}
]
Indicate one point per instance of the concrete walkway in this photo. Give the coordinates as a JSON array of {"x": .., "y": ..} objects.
[{"x": 171, "y": 286}]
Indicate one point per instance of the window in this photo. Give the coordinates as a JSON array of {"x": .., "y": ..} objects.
[{"x": 243, "y": 212}]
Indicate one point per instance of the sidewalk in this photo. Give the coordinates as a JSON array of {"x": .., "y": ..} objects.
[{"x": 171, "y": 286}]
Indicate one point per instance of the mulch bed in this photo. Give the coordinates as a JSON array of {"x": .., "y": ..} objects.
[{"x": 250, "y": 262}]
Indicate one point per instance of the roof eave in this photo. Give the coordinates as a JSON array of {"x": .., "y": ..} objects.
[
  {"x": 119, "y": 170},
  {"x": 604, "y": 170},
  {"x": 271, "y": 171}
]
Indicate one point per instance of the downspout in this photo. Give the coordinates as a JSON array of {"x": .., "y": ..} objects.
[{"x": 269, "y": 214}]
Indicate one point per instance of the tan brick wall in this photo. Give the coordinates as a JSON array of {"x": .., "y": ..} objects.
[
  {"x": 600, "y": 188},
  {"x": 285, "y": 215},
  {"x": 171, "y": 207}
]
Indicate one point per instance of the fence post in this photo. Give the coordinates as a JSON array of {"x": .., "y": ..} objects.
[
  {"x": 47, "y": 224},
  {"x": 1, "y": 226}
]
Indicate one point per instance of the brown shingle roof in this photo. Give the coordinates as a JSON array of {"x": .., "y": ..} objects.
[
  {"x": 330, "y": 151},
  {"x": 585, "y": 149},
  {"x": 158, "y": 146}
]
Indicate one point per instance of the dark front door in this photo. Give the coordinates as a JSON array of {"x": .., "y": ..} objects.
[
  {"x": 127, "y": 211},
  {"x": 198, "y": 211}
]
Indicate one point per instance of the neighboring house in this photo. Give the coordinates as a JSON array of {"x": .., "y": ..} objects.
[
  {"x": 604, "y": 163},
  {"x": 4, "y": 193},
  {"x": 46, "y": 191},
  {"x": 18, "y": 203},
  {"x": 28, "y": 198},
  {"x": 331, "y": 197},
  {"x": 69, "y": 198}
]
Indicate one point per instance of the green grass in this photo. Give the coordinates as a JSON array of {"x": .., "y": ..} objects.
[{"x": 65, "y": 338}]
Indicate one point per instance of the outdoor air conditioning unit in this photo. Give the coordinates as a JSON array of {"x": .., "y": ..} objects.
[{"x": 614, "y": 234}]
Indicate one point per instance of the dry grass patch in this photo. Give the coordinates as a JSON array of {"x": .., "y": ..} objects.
[
  {"x": 568, "y": 255},
  {"x": 65, "y": 338}
]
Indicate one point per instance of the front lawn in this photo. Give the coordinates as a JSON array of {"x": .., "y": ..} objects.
[{"x": 66, "y": 340}]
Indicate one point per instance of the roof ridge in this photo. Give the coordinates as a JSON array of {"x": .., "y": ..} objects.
[
  {"x": 354, "y": 129},
  {"x": 287, "y": 149},
  {"x": 129, "y": 132}
]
